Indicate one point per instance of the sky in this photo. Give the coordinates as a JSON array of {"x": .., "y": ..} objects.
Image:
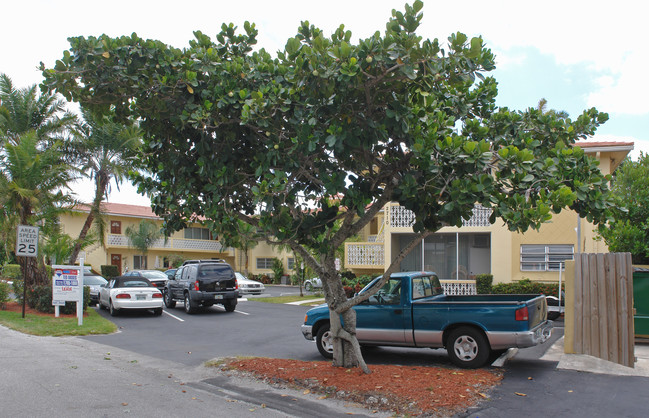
[{"x": 576, "y": 54}]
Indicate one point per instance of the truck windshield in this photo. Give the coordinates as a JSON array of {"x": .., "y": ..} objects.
[{"x": 423, "y": 287}]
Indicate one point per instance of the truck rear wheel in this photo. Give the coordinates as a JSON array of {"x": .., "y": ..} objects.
[
  {"x": 190, "y": 307},
  {"x": 324, "y": 341},
  {"x": 230, "y": 305},
  {"x": 468, "y": 348}
]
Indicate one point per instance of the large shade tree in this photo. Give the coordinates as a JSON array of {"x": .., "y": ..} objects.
[{"x": 309, "y": 145}]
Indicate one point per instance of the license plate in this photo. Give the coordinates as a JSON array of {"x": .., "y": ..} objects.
[
  {"x": 218, "y": 296},
  {"x": 140, "y": 297}
]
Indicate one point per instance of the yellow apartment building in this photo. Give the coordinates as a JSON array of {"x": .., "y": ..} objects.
[
  {"x": 193, "y": 242},
  {"x": 480, "y": 247}
]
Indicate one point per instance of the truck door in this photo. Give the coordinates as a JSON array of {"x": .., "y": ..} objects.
[{"x": 380, "y": 319}]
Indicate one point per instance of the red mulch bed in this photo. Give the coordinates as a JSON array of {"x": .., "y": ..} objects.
[{"x": 409, "y": 390}]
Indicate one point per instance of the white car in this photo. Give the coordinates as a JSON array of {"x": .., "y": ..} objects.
[
  {"x": 130, "y": 292},
  {"x": 247, "y": 286},
  {"x": 313, "y": 283}
]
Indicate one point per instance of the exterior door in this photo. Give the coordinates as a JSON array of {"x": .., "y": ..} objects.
[
  {"x": 380, "y": 319},
  {"x": 116, "y": 260}
]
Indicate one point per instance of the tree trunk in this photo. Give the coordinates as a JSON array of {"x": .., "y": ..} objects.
[
  {"x": 102, "y": 184},
  {"x": 347, "y": 350}
]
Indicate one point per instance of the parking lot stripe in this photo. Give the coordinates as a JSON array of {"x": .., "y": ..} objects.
[
  {"x": 174, "y": 316},
  {"x": 237, "y": 311}
]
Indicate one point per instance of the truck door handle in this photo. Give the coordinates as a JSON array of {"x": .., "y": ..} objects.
[{"x": 397, "y": 311}]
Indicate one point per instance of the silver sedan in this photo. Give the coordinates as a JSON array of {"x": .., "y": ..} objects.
[{"x": 249, "y": 287}]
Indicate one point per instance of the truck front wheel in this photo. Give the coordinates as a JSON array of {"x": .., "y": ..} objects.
[
  {"x": 468, "y": 348},
  {"x": 324, "y": 341}
]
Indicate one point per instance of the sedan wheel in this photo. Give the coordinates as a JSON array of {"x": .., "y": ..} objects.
[
  {"x": 308, "y": 286},
  {"x": 113, "y": 311}
]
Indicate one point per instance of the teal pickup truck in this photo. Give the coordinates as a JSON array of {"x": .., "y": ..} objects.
[{"x": 411, "y": 310}]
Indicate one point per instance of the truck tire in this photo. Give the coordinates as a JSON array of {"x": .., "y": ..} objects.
[
  {"x": 230, "y": 305},
  {"x": 190, "y": 307},
  {"x": 468, "y": 348},
  {"x": 170, "y": 303},
  {"x": 324, "y": 342}
]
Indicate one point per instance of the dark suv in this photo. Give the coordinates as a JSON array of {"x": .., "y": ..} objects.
[{"x": 202, "y": 284}]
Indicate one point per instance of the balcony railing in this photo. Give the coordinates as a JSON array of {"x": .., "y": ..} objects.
[
  {"x": 173, "y": 243},
  {"x": 400, "y": 217},
  {"x": 364, "y": 254}
]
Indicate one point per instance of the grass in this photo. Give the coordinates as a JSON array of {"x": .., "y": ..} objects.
[
  {"x": 286, "y": 299},
  {"x": 57, "y": 327}
]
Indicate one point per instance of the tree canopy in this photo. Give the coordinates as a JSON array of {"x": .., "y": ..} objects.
[
  {"x": 629, "y": 232},
  {"x": 310, "y": 144}
]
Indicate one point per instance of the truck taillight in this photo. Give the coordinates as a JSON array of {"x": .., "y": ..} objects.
[
  {"x": 196, "y": 285},
  {"x": 522, "y": 314},
  {"x": 236, "y": 284}
]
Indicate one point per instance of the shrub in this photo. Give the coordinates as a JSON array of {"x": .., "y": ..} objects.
[
  {"x": 40, "y": 298},
  {"x": 526, "y": 286},
  {"x": 18, "y": 290},
  {"x": 4, "y": 294},
  {"x": 109, "y": 271},
  {"x": 11, "y": 272},
  {"x": 278, "y": 270},
  {"x": 483, "y": 283}
]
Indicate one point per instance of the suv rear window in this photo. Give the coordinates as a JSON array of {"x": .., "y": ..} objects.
[{"x": 216, "y": 271}]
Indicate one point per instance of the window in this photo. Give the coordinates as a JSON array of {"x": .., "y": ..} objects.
[
  {"x": 198, "y": 233},
  {"x": 426, "y": 286},
  {"x": 545, "y": 257},
  {"x": 264, "y": 263},
  {"x": 115, "y": 227},
  {"x": 290, "y": 263},
  {"x": 389, "y": 294},
  {"x": 139, "y": 262}
]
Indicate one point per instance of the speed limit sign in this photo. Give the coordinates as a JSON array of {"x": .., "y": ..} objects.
[{"x": 27, "y": 241}]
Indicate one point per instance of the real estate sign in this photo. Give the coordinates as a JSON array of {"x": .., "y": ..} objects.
[{"x": 67, "y": 285}]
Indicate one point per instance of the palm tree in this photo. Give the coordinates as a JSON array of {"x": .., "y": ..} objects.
[
  {"x": 543, "y": 108},
  {"x": 24, "y": 110},
  {"x": 32, "y": 184},
  {"x": 33, "y": 173},
  {"x": 106, "y": 150},
  {"x": 143, "y": 236}
]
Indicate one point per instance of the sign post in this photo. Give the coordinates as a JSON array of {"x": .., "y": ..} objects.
[{"x": 26, "y": 246}]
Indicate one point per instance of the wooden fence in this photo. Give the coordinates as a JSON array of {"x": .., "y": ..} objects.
[{"x": 599, "y": 307}]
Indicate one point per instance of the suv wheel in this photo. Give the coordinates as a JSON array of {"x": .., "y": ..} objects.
[
  {"x": 230, "y": 305},
  {"x": 170, "y": 303},
  {"x": 189, "y": 307}
]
